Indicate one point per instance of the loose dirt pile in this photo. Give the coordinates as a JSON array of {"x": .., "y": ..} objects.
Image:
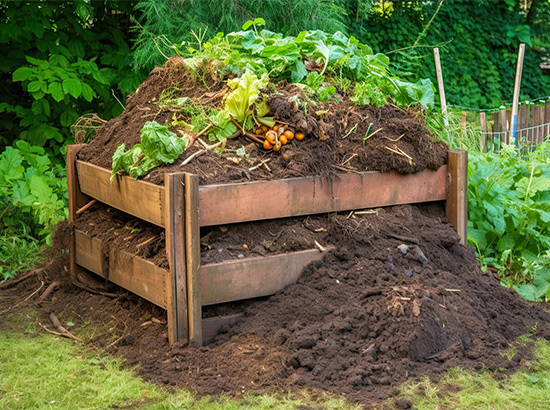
[
  {"x": 398, "y": 298},
  {"x": 401, "y": 142}
]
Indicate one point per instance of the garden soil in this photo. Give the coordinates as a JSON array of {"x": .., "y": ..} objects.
[
  {"x": 339, "y": 136},
  {"x": 398, "y": 298}
]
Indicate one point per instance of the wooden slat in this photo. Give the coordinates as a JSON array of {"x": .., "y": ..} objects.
[
  {"x": 138, "y": 198},
  {"x": 483, "y": 125},
  {"x": 547, "y": 119},
  {"x": 76, "y": 200},
  {"x": 229, "y": 203},
  {"x": 253, "y": 277},
  {"x": 176, "y": 284},
  {"x": 503, "y": 123},
  {"x": 137, "y": 275},
  {"x": 523, "y": 122},
  {"x": 193, "y": 257},
  {"x": 211, "y": 325},
  {"x": 538, "y": 119},
  {"x": 457, "y": 193}
]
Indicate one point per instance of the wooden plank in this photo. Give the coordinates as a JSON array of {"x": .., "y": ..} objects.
[
  {"x": 547, "y": 119},
  {"x": 137, "y": 275},
  {"x": 503, "y": 123},
  {"x": 456, "y": 206},
  {"x": 229, "y": 203},
  {"x": 211, "y": 326},
  {"x": 538, "y": 120},
  {"x": 440, "y": 85},
  {"x": 253, "y": 277},
  {"x": 193, "y": 257},
  {"x": 523, "y": 123},
  {"x": 76, "y": 200},
  {"x": 138, "y": 198},
  {"x": 176, "y": 284},
  {"x": 483, "y": 125}
]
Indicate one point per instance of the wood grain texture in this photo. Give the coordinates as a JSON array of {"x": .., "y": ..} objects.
[
  {"x": 76, "y": 200},
  {"x": 230, "y": 203},
  {"x": 193, "y": 257},
  {"x": 176, "y": 284},
  {"x": 138, "y": 198},
  {"x": 137, "y": 275},
  {"x": 483, "y": 124},
  {"x": 456, "y": 207},
  {"x": 253, "y": 277}
]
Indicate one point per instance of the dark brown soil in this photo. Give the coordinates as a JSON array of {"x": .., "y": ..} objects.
[
  {"x": 399, "y": 135},
  {"x": 365, "y": 319}
]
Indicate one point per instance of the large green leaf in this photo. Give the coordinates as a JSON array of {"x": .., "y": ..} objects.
[
  {"x": 246, "y": 91},
  {"x": 72, "y": 86}
]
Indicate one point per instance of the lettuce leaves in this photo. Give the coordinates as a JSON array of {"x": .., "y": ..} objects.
[{"x": 158, "y": 146}]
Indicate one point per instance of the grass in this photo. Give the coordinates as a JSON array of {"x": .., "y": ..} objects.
[
  {"x": 461, "y": 389},
  {"x": 41, "y": 371},
  {"x": 18, "y": 253}
]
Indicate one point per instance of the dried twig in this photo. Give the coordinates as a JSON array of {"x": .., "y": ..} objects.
[
  {"x": 47, "y": 292},
  {"x": 348, "y": 160},
  {"x": 147, "y": 242},
  {"x": 395, "y": 140},
  {"x": 259, "y": 165},
  {"x": 88, "y": 205},
  {"x": 24, "y": 300},
  {"x": 192, "y": 156},
  {"x": 246, "y": 133},
  {"x": 97, "y": 292},
  {"x": 63, "y": 332},
  {"x": 13, "y": 282}
]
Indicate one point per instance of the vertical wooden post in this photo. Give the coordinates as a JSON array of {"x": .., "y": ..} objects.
[
  {"x": 456, "y": 207},
  {"x": 523, "y": 122},
  {"x": 517, "y": 85},
  {"x": 441, "y": 86},
  {"x": 547, "y": 119},
  {"x": 176, "y": 284},
  {"x": 76, "y": 200},
  {"x": 483, "y": 124},
  {"x": 503, "y": 122},
  {"x": 193, "y": 255},
  {"x": 538, "y": 120}
]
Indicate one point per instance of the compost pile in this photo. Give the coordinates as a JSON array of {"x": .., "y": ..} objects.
[
  {"x": 403, "y": 143},
  {"x": 398, "y": 297}
]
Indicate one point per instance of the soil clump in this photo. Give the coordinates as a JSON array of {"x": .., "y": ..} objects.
[{"x": 398, "y": 298}]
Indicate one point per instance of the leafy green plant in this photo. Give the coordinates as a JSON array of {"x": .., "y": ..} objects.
[
  {"x": 33, "y": 191},
  {"x": 509, "y": 215},
  {"x": 158, "y": 146}
]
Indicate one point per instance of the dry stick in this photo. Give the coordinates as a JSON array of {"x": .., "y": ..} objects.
[
  {"x": 96, "y": 292},
  {"x": 194, "y": 138},
  {"x": 14, "y": 282},
  {"x": 89, "y": 204},
  {"x": 213, "y": 146},
  {"x": 64, "y": 332},
  {"x": 47, "y": 292},
  {"x": 23, "y": 301},
  {"x": 148, "y": 241},
  {"x": 259, "y": 165},
  {"x": 395, "y": 140},
  {"x": 348, "y": 160},
  {"x": 246, "y": 133},
  {"x": 192, "y": 156}
]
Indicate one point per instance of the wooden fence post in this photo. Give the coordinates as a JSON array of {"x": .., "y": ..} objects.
[
  {"x": 76, "y": 200},
  {"x": 176, "y": 283},
  {"x": 515, "y": 102},
  {"x": 547, "y": 118},
  {"x": 483, "y": 124},
  {"x": 193, "y": 256},
  {"x": 456, "y": 207}
]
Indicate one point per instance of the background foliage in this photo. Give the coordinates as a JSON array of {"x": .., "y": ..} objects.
[{"x": 63, "y": 59}]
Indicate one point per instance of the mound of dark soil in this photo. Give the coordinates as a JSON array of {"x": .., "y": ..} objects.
[
  {"x": 335, "y": 140},
  {"x": 398, "y": 298}
]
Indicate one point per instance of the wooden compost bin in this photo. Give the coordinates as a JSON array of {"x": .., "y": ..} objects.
[{"x": 181, "y": 207}]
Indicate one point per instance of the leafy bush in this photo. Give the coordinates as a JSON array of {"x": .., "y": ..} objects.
[
  {"x": 60, "y": 60},
  {"x": 33, "y": 191},
  {"x": 509, "y": 215}
]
